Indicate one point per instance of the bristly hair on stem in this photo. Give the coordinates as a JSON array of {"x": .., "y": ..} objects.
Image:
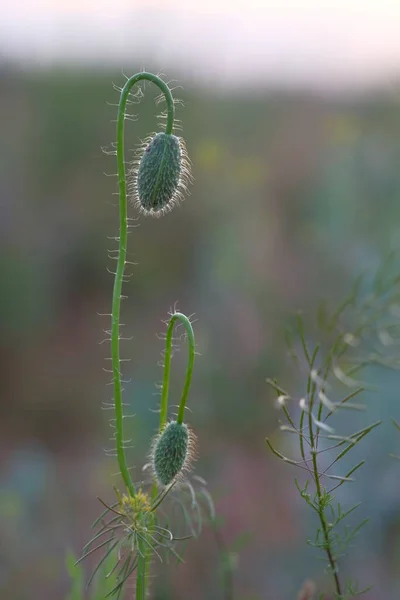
[
  {"x": 158, "y": 181},
  {"x": 173, "y": 448},
  {"x": 352, "y": 337},
  {"x": 123, "y": 239},
  {"x": 131, "y": 527}
]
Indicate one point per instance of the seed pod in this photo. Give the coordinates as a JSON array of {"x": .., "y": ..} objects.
[
  {"x": 172, "y": 452},
  {"x": 162, "y": 174}
]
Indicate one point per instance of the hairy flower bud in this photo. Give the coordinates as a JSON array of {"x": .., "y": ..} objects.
[
  {"x": 172, "y": 452},
  {"x": 161, "y": 175}
]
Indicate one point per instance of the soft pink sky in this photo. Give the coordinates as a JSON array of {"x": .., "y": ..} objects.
[{"x": 322, "y": 42}]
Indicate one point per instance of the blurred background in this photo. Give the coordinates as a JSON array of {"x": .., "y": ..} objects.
[{"x": 292, "y": 120}]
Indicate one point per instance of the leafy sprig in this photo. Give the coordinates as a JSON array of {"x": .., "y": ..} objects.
[{"x": 360, "y": 332}]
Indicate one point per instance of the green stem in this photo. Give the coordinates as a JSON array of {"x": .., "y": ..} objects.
[
  {"x": 144, "y": 561},
  {"x": 119, "y": 275},
  {"x": 311, "y": 389},
  {"x": 325, "y": 528},
  {"x": 142, "y": 570},
  {"x": 167, "y": 368},
  {"x": 317, "y": 479}
]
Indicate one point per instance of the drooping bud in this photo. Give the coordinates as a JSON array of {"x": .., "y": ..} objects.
[
  {"x": 161, "y": 175},
  {"x": 172, "y": 452}
]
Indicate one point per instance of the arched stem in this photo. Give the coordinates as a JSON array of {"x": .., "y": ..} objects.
[
  {"x": 167, "y": 368},
  {"x": 119, "y": 275}
]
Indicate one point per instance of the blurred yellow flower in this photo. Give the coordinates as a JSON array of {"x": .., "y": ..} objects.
[
  {"x": 209, "y": 154},
  {"x": 343, "y": 129}
]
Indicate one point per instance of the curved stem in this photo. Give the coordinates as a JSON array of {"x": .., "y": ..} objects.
[
  {"x": 119, "y": 275},
  {"x": 167, "y": 368},
  {"x": 144, "y": 563}
]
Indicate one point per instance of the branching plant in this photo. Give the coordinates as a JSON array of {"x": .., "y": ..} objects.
[
  {"x": 138, "y": 525},
  {"x": 359, "y": 333}
]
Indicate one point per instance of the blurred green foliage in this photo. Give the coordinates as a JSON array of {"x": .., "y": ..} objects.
[{"x": 103, "y": 584}]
